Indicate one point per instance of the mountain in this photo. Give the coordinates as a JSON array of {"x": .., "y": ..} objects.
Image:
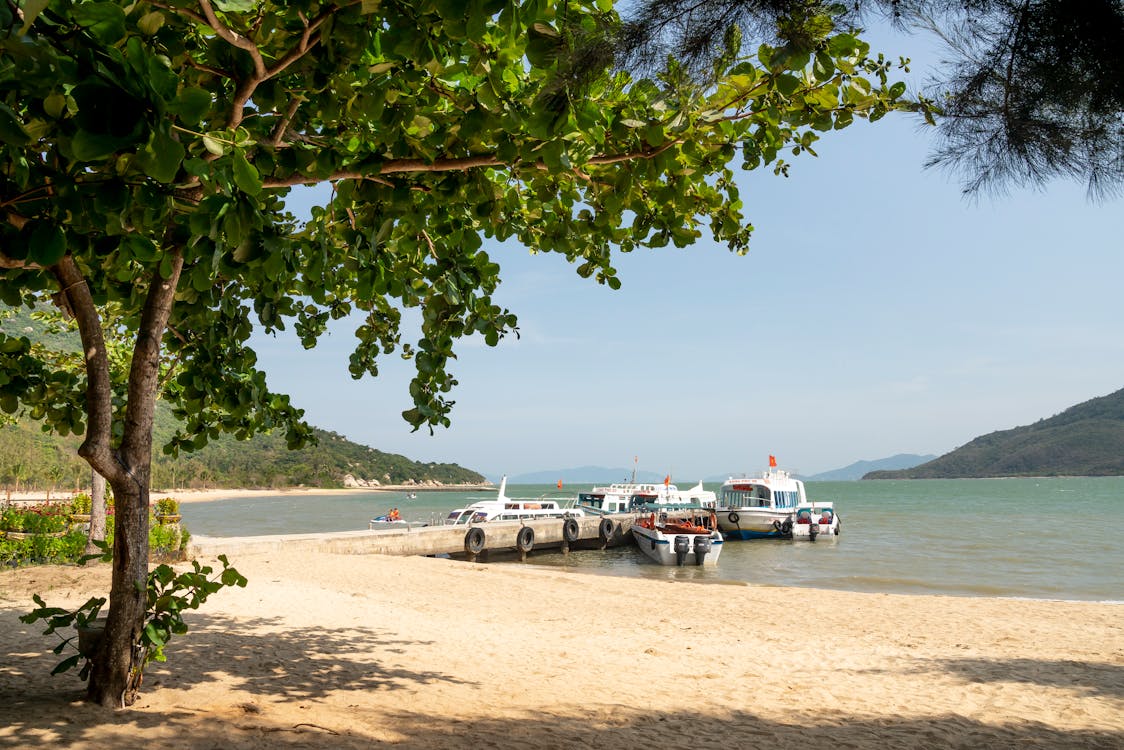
[
  {"x": 860, "y": 468},
  {"x": 581, "y": 475},
  {"x": 1084, "y": 440}
]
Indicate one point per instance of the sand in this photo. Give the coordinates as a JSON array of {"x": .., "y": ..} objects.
[
  {"x": 202, "y": 496},
  {"x": 333, "y": 651}
]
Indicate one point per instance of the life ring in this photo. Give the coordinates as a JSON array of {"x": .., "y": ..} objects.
[
  {"x": 474, "y": 540},
  {"x": 570, "y": 530},
  {"x": 605, "y": 529},
  {"x": 525, "y": 539},
  {"x": 734, "y": 518}
]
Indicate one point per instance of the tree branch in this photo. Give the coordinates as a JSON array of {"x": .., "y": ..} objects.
[
  {"x": 144, "y": 372},
  {"x": 75, "y": 294},
  {"x": 399, "y": 166},
  {"x": 233, "y": 38}
]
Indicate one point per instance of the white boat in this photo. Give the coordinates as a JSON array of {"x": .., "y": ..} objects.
[
  {"x": 693, "y": 540},
  {"x": 504, "y": 508},
  {"x": 760, "y": 506},
  {"x": 627, "y": 497},
  {"x": 815, "y": 520},
  {"x": 772, "y": 504},
  {"x": 392, "y": 521}
]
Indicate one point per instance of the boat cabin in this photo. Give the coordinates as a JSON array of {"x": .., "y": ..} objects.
[
  {"x": 750, "y": 494},
  {"x": 510, "y": 510}
]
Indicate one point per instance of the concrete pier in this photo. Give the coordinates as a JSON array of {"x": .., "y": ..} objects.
[{"x": 470, "y": 541}]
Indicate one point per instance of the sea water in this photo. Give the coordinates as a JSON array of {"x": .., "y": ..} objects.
[{"x": 1048, "y": 538}]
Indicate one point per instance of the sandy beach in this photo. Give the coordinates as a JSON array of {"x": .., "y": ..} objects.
[
  {"x": 326, "y": 650},
  {"x": 202, "y": 496}
]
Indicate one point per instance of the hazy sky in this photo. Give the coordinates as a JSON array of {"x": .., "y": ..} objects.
[{"x": 878, "y": 312}]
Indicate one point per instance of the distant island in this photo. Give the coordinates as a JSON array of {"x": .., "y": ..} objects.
[
  {"x": 859, "y": 469},
  {"x": 1084, "y": 440}
]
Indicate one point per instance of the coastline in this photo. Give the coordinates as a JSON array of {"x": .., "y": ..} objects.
[
  {"x": 352, "y": 650},
  {"x": 199, "y": 496}
]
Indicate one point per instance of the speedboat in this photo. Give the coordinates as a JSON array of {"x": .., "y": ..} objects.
[
  {"x": 814, "y": 520},
  {"x": 392, "y": 521},
  {"x": 760, "y": 506},
  {"x": 691, "y": 537},
  {"x": 504, "y": 508}
]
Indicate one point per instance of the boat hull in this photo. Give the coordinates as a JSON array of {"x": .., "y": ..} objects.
[
  {"x": 661, "y": 547},
  {"x": 753, "y": 523}
]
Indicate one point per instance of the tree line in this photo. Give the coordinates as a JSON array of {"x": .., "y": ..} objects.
[{"x": 32, "y": 460}]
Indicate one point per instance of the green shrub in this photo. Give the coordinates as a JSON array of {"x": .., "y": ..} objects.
[
  {"x": 81, "y": 504},
  {"x": 42, "y": 550},
  {"x": 35, "y": 519},
  {"x": 167, "y": 506}
]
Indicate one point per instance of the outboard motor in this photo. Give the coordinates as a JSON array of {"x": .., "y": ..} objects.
[
  {"x": 813, "y": 531},
  {"x": 682, "y": 547},
  {"x": 702, "y": 549}
]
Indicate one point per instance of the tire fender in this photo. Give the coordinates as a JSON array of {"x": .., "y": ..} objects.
[
  {"x": 525, "y": 539},
  {"x": 474, "y": 540}
]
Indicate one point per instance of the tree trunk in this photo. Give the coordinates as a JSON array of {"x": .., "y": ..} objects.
[
  {"x": 115, "y": 676},
  {"x": 115, "y": 666},
  {"x": 98, "y": 521}
]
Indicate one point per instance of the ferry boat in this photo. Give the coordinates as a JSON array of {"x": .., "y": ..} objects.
[
  {"x": 690, "y": 540},
  {"x": 504, "y": 508},
  {"x": 769, "y": 505},
  {"x": 627, "y": 497}
]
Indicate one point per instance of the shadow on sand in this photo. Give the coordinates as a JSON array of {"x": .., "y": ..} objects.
[{"x": 306, "y": 666}]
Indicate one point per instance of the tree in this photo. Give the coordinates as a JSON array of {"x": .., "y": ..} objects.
[
  {"x": 147, "y": 149},
  {"x": 1033, "y": 89}
]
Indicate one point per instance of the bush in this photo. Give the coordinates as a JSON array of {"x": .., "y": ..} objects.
[
  {"x": 42, "y": 550},
  {"x": 35, "y": 519},
  {"x": 81, "y": 504},
  {"x": 165, "y": 543},
  {"x": 167, "y": 506}
]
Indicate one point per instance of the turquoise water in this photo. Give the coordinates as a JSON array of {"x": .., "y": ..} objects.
[{"x": 1032, "y": 538}]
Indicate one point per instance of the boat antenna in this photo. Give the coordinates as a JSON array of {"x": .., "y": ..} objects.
[{"x": 635, "y": 460}]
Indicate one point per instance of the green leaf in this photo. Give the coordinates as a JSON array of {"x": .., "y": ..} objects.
[
  {"x": 153, "y": 634},
  {"x": 11, "y": 127},
  {"x": 236, "y": 6},
  {"x": 87, "y": 146},
  {"x": 246, "y": 175},
  {"x": 54, "y": 105},
  {"x": 787, "y": 84},
  {"x": 65, "y": 664},
  {"x": 543, "y": 45},
  {"x": 213, "y": 145},
  {"x": 48, "y": 244},
  {"x": 191, "y": 104},
  {"x": 150, "y": 22},
  {"x": 161, "y": 157}
]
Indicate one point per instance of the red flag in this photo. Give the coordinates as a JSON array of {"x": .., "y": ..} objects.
[
  {"x": 772, "y": 462},
  {"x": 559, "y": 484},
  {"x": 667, "y": 480}
]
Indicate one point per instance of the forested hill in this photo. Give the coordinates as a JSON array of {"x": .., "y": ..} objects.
[
  {"x": 1084, "y": 440},
  {"x": 32, "y": 460}
]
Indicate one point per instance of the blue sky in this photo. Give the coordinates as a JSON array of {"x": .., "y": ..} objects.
[{"x": 878, "y": 312}]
